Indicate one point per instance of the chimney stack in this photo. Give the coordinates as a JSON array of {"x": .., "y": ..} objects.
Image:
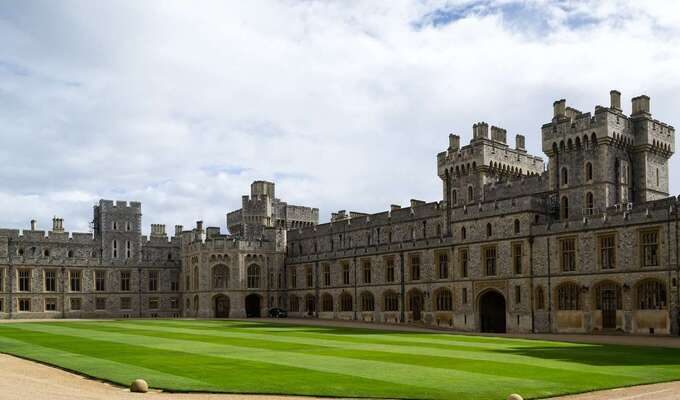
[
  {"x": 454, "y": 142},
  {"x": 57, "y": 224},
  {"x": 640, "y": 105},
  {"x": 615, "y": 100},
  {"x": 33, "y": 223},
  {"x": 560, "y": 108},
  {"x": 178, "y": 230},
  {"x": 520, "y": 142}
]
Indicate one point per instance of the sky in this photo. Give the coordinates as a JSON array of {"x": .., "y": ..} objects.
[{"x": 344, "y": 104}]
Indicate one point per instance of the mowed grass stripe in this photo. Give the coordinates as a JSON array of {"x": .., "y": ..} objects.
[
  {"x": 426, "y": 377},
  {"x": 215, "y": 373},
  {"x": 96, "y": 367},
  {"x": 498, "y": 364}
]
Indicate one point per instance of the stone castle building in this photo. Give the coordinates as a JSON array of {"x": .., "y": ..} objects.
[{"x": 587, "y": 242}]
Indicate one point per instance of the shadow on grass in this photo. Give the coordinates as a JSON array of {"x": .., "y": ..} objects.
[{"x": 601, "y": 355}]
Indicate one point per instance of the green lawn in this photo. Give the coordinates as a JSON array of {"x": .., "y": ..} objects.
[{"x": 261, "y": 357}]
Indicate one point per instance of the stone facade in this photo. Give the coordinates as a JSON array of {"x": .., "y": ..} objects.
[{"x": 588, "y": 244}]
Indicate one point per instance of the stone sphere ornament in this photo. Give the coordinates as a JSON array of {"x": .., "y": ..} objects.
[
  {"x": 139, "y": 386},
  {"x": 515, "y": 396}
]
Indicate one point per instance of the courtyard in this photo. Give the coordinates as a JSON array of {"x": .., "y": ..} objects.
[{"x": 263, "y": 357}]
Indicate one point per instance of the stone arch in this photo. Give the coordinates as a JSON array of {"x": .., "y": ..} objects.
[
  {"x": 346, "y": 302},
  {"x": 492, "y": 311},
  {"x": 443, "y": 299},
  {"x": 367, "y": 301},
  {"x": 327, "y": 302},
  {"x": 390, "y": 301},
  {"x": 221, "y": 306}
]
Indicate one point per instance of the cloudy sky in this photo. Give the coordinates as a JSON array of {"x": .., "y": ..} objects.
[{"x": 180, "y": 105}]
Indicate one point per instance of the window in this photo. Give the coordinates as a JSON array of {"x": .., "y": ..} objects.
[
  {"x": 391, "y": 301},
  {"x": 464, "y": 296},
  {"x": 607, "y": 252},
  {"x": 25, "y": 305},
  {"x": 293, "y": 279},
  {"x": 70, "y": 254},
  {"x": 389, "y": 275},
  {"x": 454, "y": 197},
  {"x": 651, "y": 295},
  {"x": 100, "y": 303},
  {"x": 125, "y": 281},
  {"x": 50, "y": 304},
  {"x": 310, "y": 277},
  {"x": 219, "y": 275},
  {"x": 657, "y": 177},
  {"x": 327, "y": 275},
  {"x": 24, "y": 280},
  {"x": 2, "y": 304},
  {"x": 564, "y": 208},
  {"x": 253, "y": 276},
  {"x": 76, "y": 281},
  {"x": 128, "y": 249},
  {"x": 540, "y": 298},
  {"x": 518, "y": 294},
  {"x": 568, "y": 258},
  {"x": 195, "y": 281},
  {"x": 489, "y": 230},
  {"x": 589, "y": 171},
  {"x": 608, "y": 288},
  {"x": 154, "y": 303},
  {"x": 50, "y": 281},
  {"x": 2, "y": 280},
  {"x": 590, "y": 204},
  {"x": 346, "y": 303},
  {"x": 443, "y": 266},
  {"x": 443, "y": 300},
  {"x": 326, "y": 303},
  {"x": 564, "y": 176},
  {"x": 345, "y": 274},
  {"x": 126, "y": 303},
  {"x": 153, "y": 281},
  {"x": 517, "y": 258},
  {"x": 517, "y": 226},
  {"x": 471, "y": 195},
  {"x": 415, "y": 267},
  {"x": 489, "y": 254},
  {"x": 174, "y": 281},
  {"x": 367, "y": 271},
  {"x": 294, "y": 303},
  {"x": 115, "y": 225},
  {"x": 463, "y": 255},
  {"x": 463, "y": 233},
  {"x": 367, "y": 302},
  {"x": 568, "y": 297},
  {"x": 114, "y": 247},
  {"x": 128, "y": 226},
  {"x": 100, "y": 281},
  {"x": 75, "y": 304},
  {"x": 174, "y": 303},
  {"x": 650, "y": 248}
]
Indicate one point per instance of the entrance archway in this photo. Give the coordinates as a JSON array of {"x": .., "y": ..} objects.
[
  {"x": 492, "y": 312},
  {"x": 253, "y": 306},
  {"x": 221, "y": 306}
]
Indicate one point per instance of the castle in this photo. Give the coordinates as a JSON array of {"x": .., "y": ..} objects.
[{"x": 588, "y": 244}]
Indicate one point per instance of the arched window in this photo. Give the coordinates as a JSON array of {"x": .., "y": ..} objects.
[
  {"x": 564, "y": 176},
  {"x": 195, "y": 278},
  {"x": 568, "y": 297},
  {"x": 326, "y": 303},
  {"x": 593, "y": 139},
  {"x": 540, "y": 298},
  {"x": 346, "y": 303},
  {"x": 651, "y": 295},
  {"x": 517, "y": 226},
  {"x": 367, "y": 302},
  {"x": 489, "y": 230},
  {"x": 114, "y": 249},
  {"x": 444, "y": 300},
  {"x": 310, "y": 304},
  {"x": 196, "y": 305},
  {"x": 590, "y": 203},
  {"x": 564, "y": 208},
  {"x": 589, "y": 171},
  {"x": 454, "y": 197},
  {"x": 253, "y": 276},
  {"x": 391, "y": 301},
  {"x": 471, "y": 195},
  {"x": 463, "y": 233},
  {"x": 219, "y": 277}
]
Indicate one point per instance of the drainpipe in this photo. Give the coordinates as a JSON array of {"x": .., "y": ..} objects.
[
  {"x": 139, "y": 287},
  {"x": 402, "y": 314},
  {"x": 677, "y": 261},
  {"x": 316, "y": 286},
  {"x": 531, "y": 282},
  {"x": 63, "y": 292},
  {"x": 668, "y": 241},
  {"x": 549, "y": 289},
  {"x": 354, "y": 303},
  {"x": 11, "y": 291}
]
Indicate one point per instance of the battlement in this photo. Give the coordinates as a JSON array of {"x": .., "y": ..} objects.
[{"x": 120, "y": 205}]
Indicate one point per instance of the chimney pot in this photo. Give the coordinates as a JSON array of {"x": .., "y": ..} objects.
[{"x": 615, "y": 100}]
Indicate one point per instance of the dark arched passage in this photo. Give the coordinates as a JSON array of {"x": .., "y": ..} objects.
[
  {"x": 221, "y": 306},
  {"x": 492, "y": 312},
  {"x": 253, "y": 306}
]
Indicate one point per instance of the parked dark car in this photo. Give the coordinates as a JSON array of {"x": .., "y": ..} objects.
[{"x": 278, "y": 313}]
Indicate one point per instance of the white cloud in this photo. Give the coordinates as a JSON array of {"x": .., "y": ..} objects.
[{"x": 180, "y": 105}]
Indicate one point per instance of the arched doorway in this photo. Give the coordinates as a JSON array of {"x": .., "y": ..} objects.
[
  {"x": 253, "y": 306},
  {"x": 492, "y": 312},
  {"x": 221, "y": 306}
]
